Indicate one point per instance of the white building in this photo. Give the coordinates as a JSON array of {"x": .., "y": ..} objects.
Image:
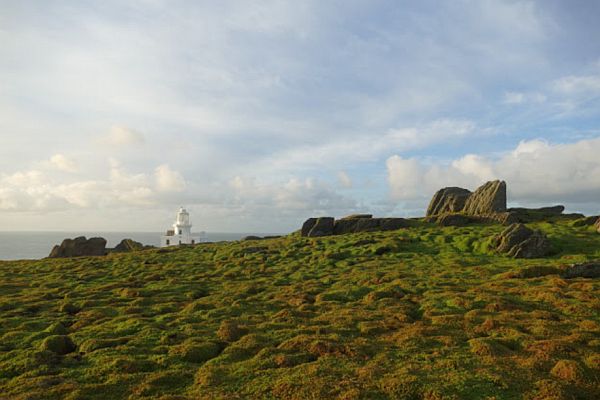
[{"x": 181, "y": 232}]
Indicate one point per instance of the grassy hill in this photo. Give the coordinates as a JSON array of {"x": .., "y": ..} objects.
[{"x": 419, "y": 313}]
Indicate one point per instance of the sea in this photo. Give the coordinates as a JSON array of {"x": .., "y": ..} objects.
[{"x": 35, "y": 245}]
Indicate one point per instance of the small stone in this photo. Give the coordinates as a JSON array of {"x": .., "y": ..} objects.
[{"x": 59, "y": 344}]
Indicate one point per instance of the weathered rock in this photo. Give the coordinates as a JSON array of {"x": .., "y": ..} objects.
[
  {"x": 80, "y": 246},
  {"x": 454, "y": 220},
  {"x": 325, "y": 226},
  {"x": 572, "y": 216},
  {"x": 355, "y": 216},
  {"x": 505, "y": 218},
  {"x": 487, "y": 199},
  {"x": 315, "y": 227},
  {"x": 355, "y": 225},
  {"x": 584, "y": 270},
  {"x": 519, "y": 241},
  {"x": 448, "y": 200},
  {"x": 553, "y": 210},
  {"x": 597, "y": 225},
  {"x": 307, "y": 226},
  {"x": 127, "y": 245},
  {"x": 392, "y": 224},
  {"x": 525, "y": 215},
  {"x": 252, "y": 237}
]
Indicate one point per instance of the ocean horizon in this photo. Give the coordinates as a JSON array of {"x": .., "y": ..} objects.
[{"x": 33, "y": 245}]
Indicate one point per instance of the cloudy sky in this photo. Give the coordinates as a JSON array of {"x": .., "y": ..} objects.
[{"x": 258, "y": 114}]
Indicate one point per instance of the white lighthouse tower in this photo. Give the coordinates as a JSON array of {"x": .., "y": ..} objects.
[{"x": 181, "y": 232}]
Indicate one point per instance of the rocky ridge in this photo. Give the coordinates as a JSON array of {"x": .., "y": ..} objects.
[
  {"x": 96, "y": 246},
  {"x": 80, "y": 246},
  {"x": 327, "y": 226}
]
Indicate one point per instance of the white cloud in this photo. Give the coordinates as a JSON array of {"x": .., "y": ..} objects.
[
  {"x": 168, "y": 180},
  {"x": 535, "y": 172},
  {"x": 521, "y": 97},
  {"x": 36, "y": 190},
  {"x": 123, "y": 136},
  {"x": 344, "y": 179},
  {"x": 301, "y": 197},
  {"x": 575, "y": 85},
  {"x": 372, "y": 146},
  {"x": 404, "y": 176},
  {"x": 62, "y": 163}
]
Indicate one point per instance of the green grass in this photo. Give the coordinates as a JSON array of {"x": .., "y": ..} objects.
[{"x": 420, "y": 313}]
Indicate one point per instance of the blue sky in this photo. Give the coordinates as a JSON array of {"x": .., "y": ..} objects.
[{"x": 257, "y": 115}]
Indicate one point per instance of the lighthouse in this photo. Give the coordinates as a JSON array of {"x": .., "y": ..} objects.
[{"x": 181, "y": 232}]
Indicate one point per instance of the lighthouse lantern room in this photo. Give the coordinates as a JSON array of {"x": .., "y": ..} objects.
[{"x": 181, "y": 232}]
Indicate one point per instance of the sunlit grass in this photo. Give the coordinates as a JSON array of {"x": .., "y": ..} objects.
[{"x": 420, "y": 313}]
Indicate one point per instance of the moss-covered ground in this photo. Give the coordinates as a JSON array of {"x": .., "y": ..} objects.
[{"x": 419, "y": 313}]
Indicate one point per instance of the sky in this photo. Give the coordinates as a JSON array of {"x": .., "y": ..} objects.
[{"x": 256, "y": 115}]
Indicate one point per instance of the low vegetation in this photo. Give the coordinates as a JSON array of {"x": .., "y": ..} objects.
[{"x": 419, "y": 313}]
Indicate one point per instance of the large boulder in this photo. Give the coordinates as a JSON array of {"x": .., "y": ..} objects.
[
  {"x": 448, "y": 200},
  {"x": 80, "y": 246},
  {"x": 127, "y": 245},
  {"x": 519, "y": 241},
  {"x": 487, "y": 199},
  {"x": 315, "y": 227}
]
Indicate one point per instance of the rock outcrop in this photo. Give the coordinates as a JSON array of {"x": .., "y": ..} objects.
[
  {"x": 252, "y": 237},
  {"x": 127, "y": 245},
  {"x": 455, "y": 206},
  {"x": 80, "y": 246},
  {"x": 355, "y": 216},
  {"x": 363, "y": 224},
  {"x": 454, "y": 220},
  {"x": 519, "y": 241},
  {"x": 525, "y": 215},
  {"x": 487, "y": 199},
  {"x": 326, "y": 226},
  {"x": 584, "y": 270},
  {"x": 315, "y": 227},
  {"x": 546, "y": 211},
  {"x": 448, "y": 200}
]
